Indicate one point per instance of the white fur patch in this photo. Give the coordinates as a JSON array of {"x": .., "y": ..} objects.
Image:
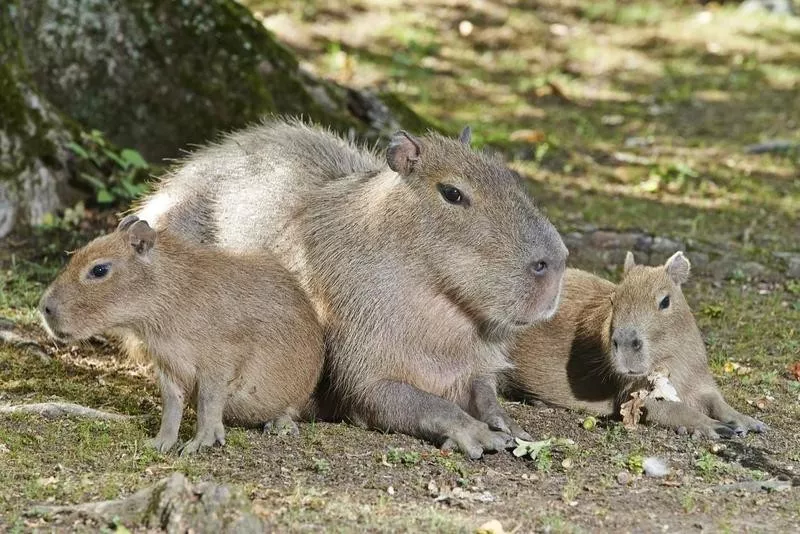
[{"x": 156, "y": 206}]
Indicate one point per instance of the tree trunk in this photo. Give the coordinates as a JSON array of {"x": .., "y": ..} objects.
[
  {"x": 34, "y": 165},
  {"x": 154, "y": 75}
]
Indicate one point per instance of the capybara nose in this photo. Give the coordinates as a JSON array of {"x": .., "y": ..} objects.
[
  {"x": 47, "y": 308},
  {"x": 627, "y": 337}
]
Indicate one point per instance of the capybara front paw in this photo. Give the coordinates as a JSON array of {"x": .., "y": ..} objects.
[
  {"x": 162, "y": 443},
  {"x": 207, "y": 438},
  {"x": 504, "y": 423},
  {"x": 476, "y": 439},
  {"x": 742, "y": 424},
  {"x": 710, "y": 431}
]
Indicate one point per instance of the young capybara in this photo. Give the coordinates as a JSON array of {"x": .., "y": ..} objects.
[
  {"x": 606, "y": 339},
  {"x": 235, "y": 331},
  {"x": 420, "y": 265}
]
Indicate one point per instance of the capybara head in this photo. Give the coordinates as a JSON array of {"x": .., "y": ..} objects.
[
  {"x": 106, "y": 284},
  {"x": 486, "y": 244},
  {"x": 650, "y": 318}
]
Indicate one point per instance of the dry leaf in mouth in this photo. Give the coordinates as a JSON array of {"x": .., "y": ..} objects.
[
  {"x": 631, "y": 410},
  {"x": 660, "y": 388}
]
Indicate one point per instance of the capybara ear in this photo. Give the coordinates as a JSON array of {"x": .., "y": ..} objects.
[
  {"x": 126, "y": 222},
  {"x": 678, "y": 268},
  {"x": 403, "y": 152},
  {"x": 466, "y": 135},
  {"x": 141, "y": 237},
  {"x": 629, "y": 262}
]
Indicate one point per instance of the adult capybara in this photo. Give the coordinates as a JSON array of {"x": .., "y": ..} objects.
[{"x": 420, "y": 264}]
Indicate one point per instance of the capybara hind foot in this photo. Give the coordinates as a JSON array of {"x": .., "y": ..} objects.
[{"x": 282, "y": 426}]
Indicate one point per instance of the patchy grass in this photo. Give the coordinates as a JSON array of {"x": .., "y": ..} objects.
[{"x": 637, "y": 114}]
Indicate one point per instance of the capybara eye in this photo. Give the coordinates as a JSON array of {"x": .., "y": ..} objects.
[
  {"x": 451, "y": 194},
  {"x": 99, "y": 271},
  {"x": 540, "y": 267},
  {"x": 664, "y": 304}
]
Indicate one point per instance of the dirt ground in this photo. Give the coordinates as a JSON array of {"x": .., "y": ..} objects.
[{"x": 628, "y": 117}]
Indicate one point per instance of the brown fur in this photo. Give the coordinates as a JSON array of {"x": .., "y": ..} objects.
[
  {"x": 418, "y": 295},
  {"x": 233, "y": 330},
  {"x": 572, "y": 360}
]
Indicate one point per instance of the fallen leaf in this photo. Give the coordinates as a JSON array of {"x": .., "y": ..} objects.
[
  {"x": 491, "y": 527},
  {"x": 731, "y": 367},
  {"x": 794, "y": 370},
  {"x": 433, "y": 488},
  {"x": 631, "y": 410},
  {"x": 527, "y": 136}
]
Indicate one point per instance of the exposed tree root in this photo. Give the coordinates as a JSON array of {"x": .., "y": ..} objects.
[
  {"x": 9, "y": 337},
  {"x": 52, "y": 410},
  {"x": 172, "y": 504}
]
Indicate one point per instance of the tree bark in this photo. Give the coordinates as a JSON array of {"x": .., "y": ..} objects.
[{"x": 155, "y": 75}]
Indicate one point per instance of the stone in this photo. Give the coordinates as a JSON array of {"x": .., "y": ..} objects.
[
  {"x": 666, "y": 246},
  {"x": 604, "y": 239},
  {"x": 793, "y": 270},
  {"x": 699, "y": 260}
]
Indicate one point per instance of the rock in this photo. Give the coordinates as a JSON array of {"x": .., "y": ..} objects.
[
  {"x": 664, "y": 245},
  {"x": 604, "y": 239},
  {"x": 655, "y": 467},
  {"x": 644, "y": 243},
  {"x": 793, "y": 271},
  {"x": 729, "y": 267},
  {"x": 753, "y": 269},
  {"x": 698, "y": 259},
  {"x": 573, "y": 240},
  {"x": 635, "y": 142},
  {"x": 792, "y": 261},
  {"x": 624, "y": 478},
  {"x": 778, "y": 7}
]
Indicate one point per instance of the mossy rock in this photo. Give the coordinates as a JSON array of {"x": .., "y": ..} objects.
[{"x": 160, "y": 75}]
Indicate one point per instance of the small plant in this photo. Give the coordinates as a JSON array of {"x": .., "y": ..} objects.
[
  {"x": 793, "y": 287},
  {"x": 115, "y": 175},
  {"x": 590, "y": 423},
  {"x": 707, "y": 464},
  {"x": 321, "y": 465},
  {"x": 635, "y": 464},
  {"x": 712, "y": 311},
  {"x": 541, "y": 451},
  {"x": 399, "y": 456}
]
